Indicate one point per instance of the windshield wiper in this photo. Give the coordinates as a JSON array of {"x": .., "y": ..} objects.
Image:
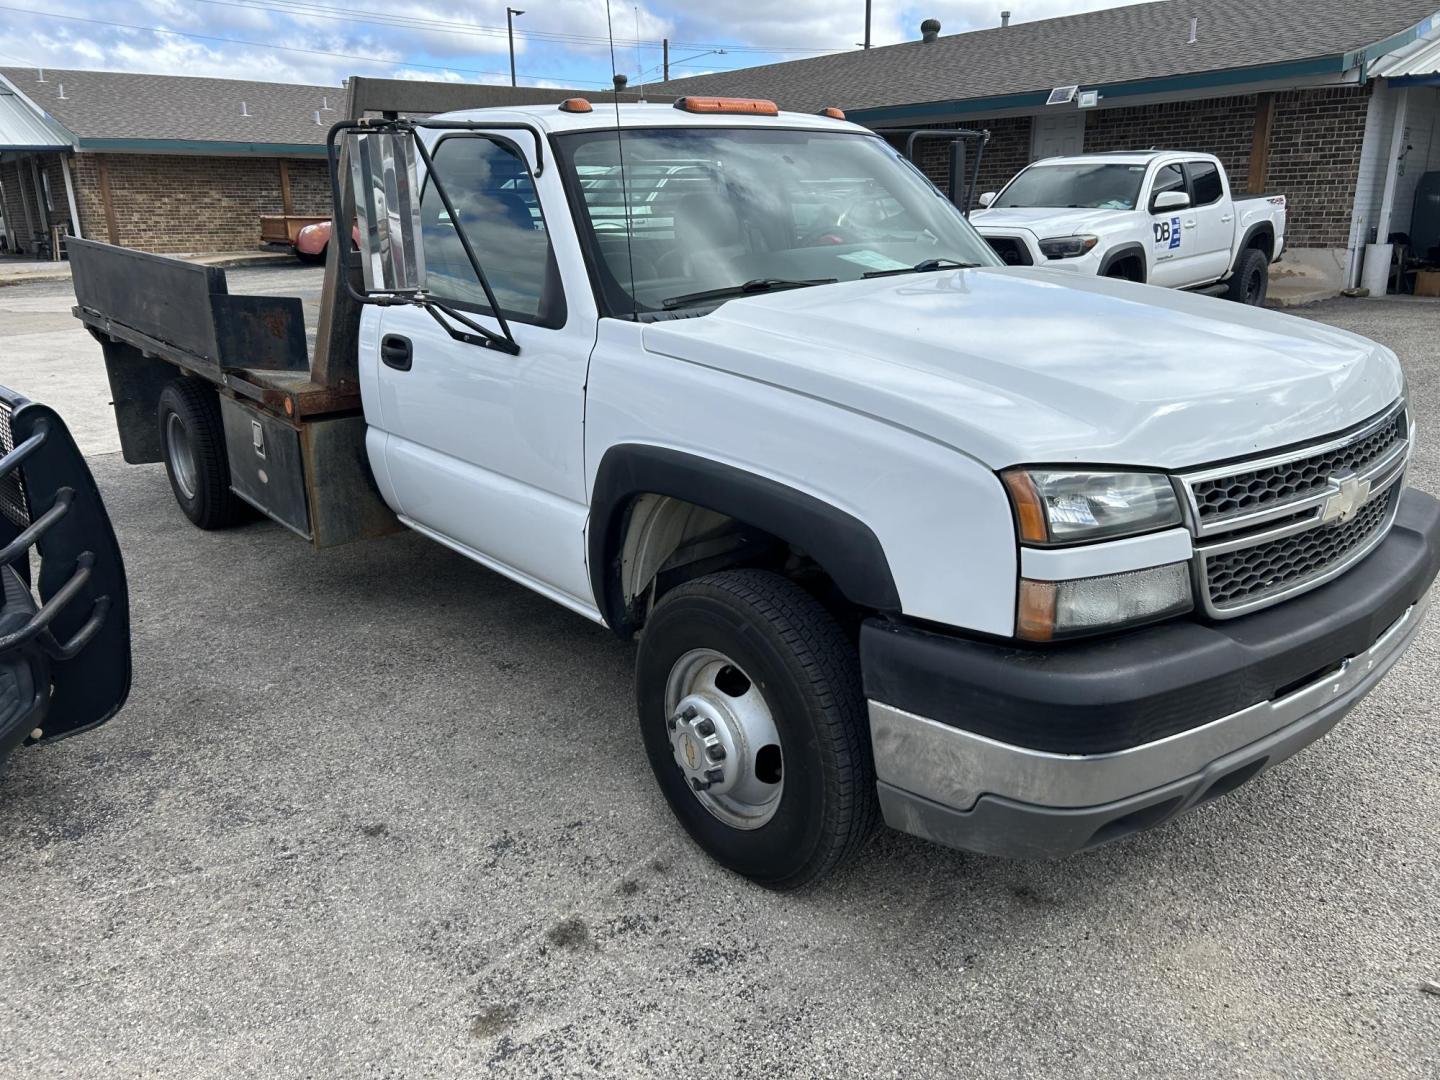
[
  {"x": 924, "y": 266},
  {"x": 754, "y": 285}
]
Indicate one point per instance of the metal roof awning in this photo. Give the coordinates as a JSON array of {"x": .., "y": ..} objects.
[
  {"x": 1418, "y": 64},
  {"x": 24, "y": 127}
]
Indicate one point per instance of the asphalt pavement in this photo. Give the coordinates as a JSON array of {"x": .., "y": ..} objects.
[{"x": 378, "y": 812}]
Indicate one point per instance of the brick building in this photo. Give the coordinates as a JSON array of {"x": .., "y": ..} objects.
[
  {"x": 160, "y": 162},
  {"x": 1317, "y": 101}
]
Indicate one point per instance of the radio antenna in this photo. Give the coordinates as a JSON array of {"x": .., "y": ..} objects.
[{"x": 620, "y": 81}]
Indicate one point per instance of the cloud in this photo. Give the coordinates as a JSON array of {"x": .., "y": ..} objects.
[{"x": 558, "y": 42}]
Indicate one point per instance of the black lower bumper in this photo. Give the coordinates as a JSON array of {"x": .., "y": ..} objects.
[{"x": 1094, "y": 697}]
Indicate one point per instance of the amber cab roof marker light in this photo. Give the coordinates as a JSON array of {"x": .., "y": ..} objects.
[
  {"x": 833, "y": 113},
  {"x": 576, "y": 105},
  {"x": 739, "y": 106}
]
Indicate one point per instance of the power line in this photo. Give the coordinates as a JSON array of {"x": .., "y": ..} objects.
[{"x": 289, "y": 48}]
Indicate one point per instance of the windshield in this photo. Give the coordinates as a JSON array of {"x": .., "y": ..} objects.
[
  {"x": 692, "y": 212},
  {"x": 1100, "y": 187}
]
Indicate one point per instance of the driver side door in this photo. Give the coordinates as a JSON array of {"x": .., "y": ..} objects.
[{"x": 483, "y": 449}]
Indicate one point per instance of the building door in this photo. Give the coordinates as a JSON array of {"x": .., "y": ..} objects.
[{"x": 1057, "y": 134}]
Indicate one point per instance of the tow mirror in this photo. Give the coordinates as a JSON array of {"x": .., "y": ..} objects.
[
  {"x": 1169, "y": 200},
  {"x": 385, "y": 183},
  {"x": 986, "y": 198}
]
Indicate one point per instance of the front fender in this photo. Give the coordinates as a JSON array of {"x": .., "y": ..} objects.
[{"x": 842, "y": 544}]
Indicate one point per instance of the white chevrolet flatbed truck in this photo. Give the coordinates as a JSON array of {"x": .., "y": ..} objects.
[
  {"x": 1020, "y": 562},
  {"x": 1160, "y": 217}
]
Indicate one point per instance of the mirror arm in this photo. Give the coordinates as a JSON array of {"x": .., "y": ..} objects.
[
  {"x": 460, "y": 232},
  {"x": 486, "y": 339}
]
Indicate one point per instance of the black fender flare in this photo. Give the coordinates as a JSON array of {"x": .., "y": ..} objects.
[
  {"x": 843, "y": 545},
  {"x": 1125, "y": 251},
  {"x": 1265, "y": 228}
]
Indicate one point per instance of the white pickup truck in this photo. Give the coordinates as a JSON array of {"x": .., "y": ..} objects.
[
  {"x": 1021, "y": 562},
  {"x": 1161, "y": 217}
]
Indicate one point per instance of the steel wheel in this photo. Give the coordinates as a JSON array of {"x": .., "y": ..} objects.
[
  {"x": 181, "y": 454},
  {"x": 724, "y": 739}
]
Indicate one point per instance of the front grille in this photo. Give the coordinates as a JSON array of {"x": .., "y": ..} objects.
[
  {"x": 13, "y": 503},
  {"x": 1253, "y": 573},
  {"x": 1257, "y": 489},
  {"x": 1276, "y": 526},
  {"x": 1011, "y": 251}
]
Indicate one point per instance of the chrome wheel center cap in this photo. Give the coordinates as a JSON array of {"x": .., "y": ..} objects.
[
  {"x": 723, "y": 739},
  {"x": 702, "y": 737}
]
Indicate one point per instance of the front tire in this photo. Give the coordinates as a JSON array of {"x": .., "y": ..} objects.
[
  {"x": 1251, "y": 280},
  {"x": 753, "y": 718},
  {"x": 192, "y": 442}
]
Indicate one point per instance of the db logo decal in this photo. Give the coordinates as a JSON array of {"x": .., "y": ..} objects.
[{"x": 1168, "y": 233}]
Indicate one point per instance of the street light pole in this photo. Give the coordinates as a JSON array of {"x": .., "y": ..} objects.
[
  {"x": 867, "y": 24},
  {"x": 510, "y": 14}
]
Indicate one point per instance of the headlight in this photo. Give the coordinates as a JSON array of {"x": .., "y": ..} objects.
[
  {"x": 1055, "y": 506},
  {"x": 1067, "y": 247},
  {"x": 1059, "y": 609}
]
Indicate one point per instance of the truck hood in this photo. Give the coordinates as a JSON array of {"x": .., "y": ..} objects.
[
  {"x": 1043, "y": 221},
  {"x": 1018, "y": 365}
]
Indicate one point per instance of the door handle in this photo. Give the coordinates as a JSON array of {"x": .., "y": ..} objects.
[
  {"x": 1190, "y": 224},
  {"x": 395, "y": 352},
  {"x": 1226, "y": 219}
]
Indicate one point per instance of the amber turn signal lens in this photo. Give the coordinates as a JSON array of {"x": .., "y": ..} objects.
[
  {"x": 743, "y": 106},
  {"x": 576, "y": 105},
  {"x": 833, "y": 113},
  {"x": 1028, "y": 509},
  {"x": 1036, "y": 616}
]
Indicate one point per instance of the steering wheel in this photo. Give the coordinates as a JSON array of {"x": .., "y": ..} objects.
[{"x": 845, "y": 219}]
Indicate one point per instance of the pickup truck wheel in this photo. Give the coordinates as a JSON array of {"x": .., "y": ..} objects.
[
  {"x": 192, "y": 441},
  {"x": 1251, "y": 279},
  {"x": 754, "y": 721}
]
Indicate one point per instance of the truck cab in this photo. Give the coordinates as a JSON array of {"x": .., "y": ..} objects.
[
  {"x": 900, "y": 531},
  {"x": 1165, "y": 218}
]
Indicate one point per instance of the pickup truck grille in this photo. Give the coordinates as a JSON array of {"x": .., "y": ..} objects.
[
  {"x": 1252, "y": 573},
  {"x": 1228, "y": 496},
  {"x": 13, "y": 503},
  {"x": 1012, "y": 250},
  {"x": 1274, "y": 527}
]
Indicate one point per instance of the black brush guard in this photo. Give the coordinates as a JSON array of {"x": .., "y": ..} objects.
[{"x": 64, "y": 659}]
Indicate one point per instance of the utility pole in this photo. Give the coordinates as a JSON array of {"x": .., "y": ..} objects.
[
  {"x": 510, "y": 14},
  {"x": 665, "y": 54},
  {"x": 867, "y": 24}
]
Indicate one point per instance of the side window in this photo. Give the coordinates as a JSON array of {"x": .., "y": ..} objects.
[
  {"x": 1168, "y": 178},
  {"x": 494, "y": 196},
  {"x": 1204, "y": 182}
]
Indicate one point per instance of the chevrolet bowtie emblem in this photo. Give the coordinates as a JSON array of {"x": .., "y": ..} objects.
[{"x": 1348, "y": 494}]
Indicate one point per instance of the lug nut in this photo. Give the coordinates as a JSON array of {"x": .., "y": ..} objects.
[
  {"x": 698, "y": 785},
  {"x": 689, "y": 713},
  {"x": 670, "y": 722},
  {"x": 715, "y": 776},
  {"x": 706, "y": 727},
  {"x": 715, "y": 753}
]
